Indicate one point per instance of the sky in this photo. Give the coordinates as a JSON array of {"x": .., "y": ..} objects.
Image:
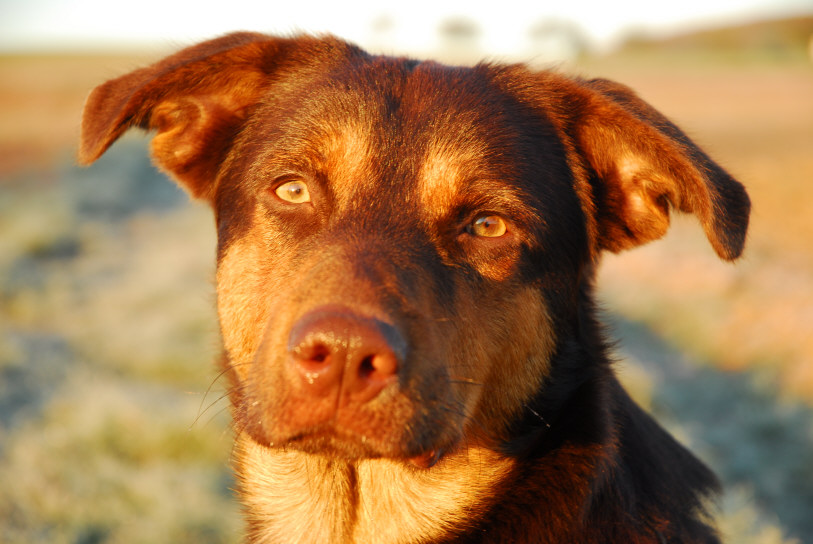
[{"x": 36, "y": 25}]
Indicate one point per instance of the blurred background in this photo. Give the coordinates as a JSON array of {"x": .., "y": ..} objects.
[{"x": 113, "y": 425}]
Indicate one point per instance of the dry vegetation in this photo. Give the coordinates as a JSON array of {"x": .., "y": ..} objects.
[{"x": 110, "y": 425}]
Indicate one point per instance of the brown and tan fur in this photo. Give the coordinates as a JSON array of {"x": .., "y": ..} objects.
[{"x": 412, "y": 347}]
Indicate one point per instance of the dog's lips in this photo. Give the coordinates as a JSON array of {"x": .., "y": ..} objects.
[
  {"x": 327, "y": 441},
  {"x": 426, "y": 460}
]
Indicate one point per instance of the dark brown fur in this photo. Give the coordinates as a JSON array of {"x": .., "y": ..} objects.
[{"x": 397, "y": 375}]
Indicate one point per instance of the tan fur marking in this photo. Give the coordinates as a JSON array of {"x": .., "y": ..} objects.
[
  {"x": 240, "y": 281},
  {"x": 345, "y": 153},
  {"x": 443, "y": 174},
  {"x": 347, "y": 149},
  {"x": 293, "y": 496}
]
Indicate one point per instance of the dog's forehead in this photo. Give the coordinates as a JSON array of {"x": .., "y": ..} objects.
[{"x": 423, "y": 130}]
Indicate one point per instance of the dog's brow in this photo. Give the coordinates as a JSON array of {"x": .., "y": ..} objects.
[
  {"x": 443, "y": 174},
  {"x": 338, "y": 149},
  {"x": 345, "y": 146},
  {"x": 452, "y": 177}
]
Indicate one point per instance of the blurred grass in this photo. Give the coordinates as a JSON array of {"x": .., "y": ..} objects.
[
  {"x": 757, "y": 443},
  {"x": 112, "y": 426}
]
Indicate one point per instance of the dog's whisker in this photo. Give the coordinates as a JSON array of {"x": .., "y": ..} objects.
[
  {"x": 465, "y": 381},
  {"x": 538, "y": 415},
  {"x": 217, "y": 378},
  {"x": 203, "y": 411}
]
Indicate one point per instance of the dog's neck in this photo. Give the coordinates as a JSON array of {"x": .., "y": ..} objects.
[{"x": 296, "y": 497}]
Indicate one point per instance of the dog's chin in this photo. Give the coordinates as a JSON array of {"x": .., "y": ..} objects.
[
  {"x": 339, "y": 447},
  {"x": 352, "y": 449}
]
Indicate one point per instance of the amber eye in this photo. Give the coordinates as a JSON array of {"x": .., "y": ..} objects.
[
  {"x": 294, "y": 191},
  {"x": 488, "y": 226}
]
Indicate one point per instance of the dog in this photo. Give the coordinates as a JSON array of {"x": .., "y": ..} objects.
[{"x": 406, "y": 254}]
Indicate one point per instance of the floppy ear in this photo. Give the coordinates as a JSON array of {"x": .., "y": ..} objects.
[
  {"x": 640, "y": 165},
  {"x": 196, "y": 100}
]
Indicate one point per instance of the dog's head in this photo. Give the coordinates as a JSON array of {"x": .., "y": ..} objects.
[{"x": 403, "y": 246}]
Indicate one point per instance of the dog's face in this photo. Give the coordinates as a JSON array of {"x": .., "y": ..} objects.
[
  {"x": 383, "y": 217},
  {"x": 402, "y": 246}
]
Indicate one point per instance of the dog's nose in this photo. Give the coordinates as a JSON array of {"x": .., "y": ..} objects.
[{"x": 335, "y": 349}]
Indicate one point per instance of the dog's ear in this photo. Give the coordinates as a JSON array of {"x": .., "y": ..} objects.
[
  {"x": 196, "y": 100},
  {"x": 640, "y": 165}
]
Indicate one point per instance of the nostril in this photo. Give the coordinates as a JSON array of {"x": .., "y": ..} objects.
[
  {"x": 318, "y": 354},
  {"x": 312, "y": 356},
  {"x": 309, "y": 351},
  {"x": 367, "y": 367},
  {"x": 319, "y": 358},
  {"x": 379, "y": 366}
]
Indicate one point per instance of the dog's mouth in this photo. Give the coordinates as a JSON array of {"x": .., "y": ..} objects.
[
  {"x": 335, "y": 444},
  {"x": 426, "y": 460}
]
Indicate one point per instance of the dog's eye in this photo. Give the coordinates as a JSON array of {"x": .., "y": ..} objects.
[
  {"x": 294, "y": 191},
  {"x": 488, "y": 226}
]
